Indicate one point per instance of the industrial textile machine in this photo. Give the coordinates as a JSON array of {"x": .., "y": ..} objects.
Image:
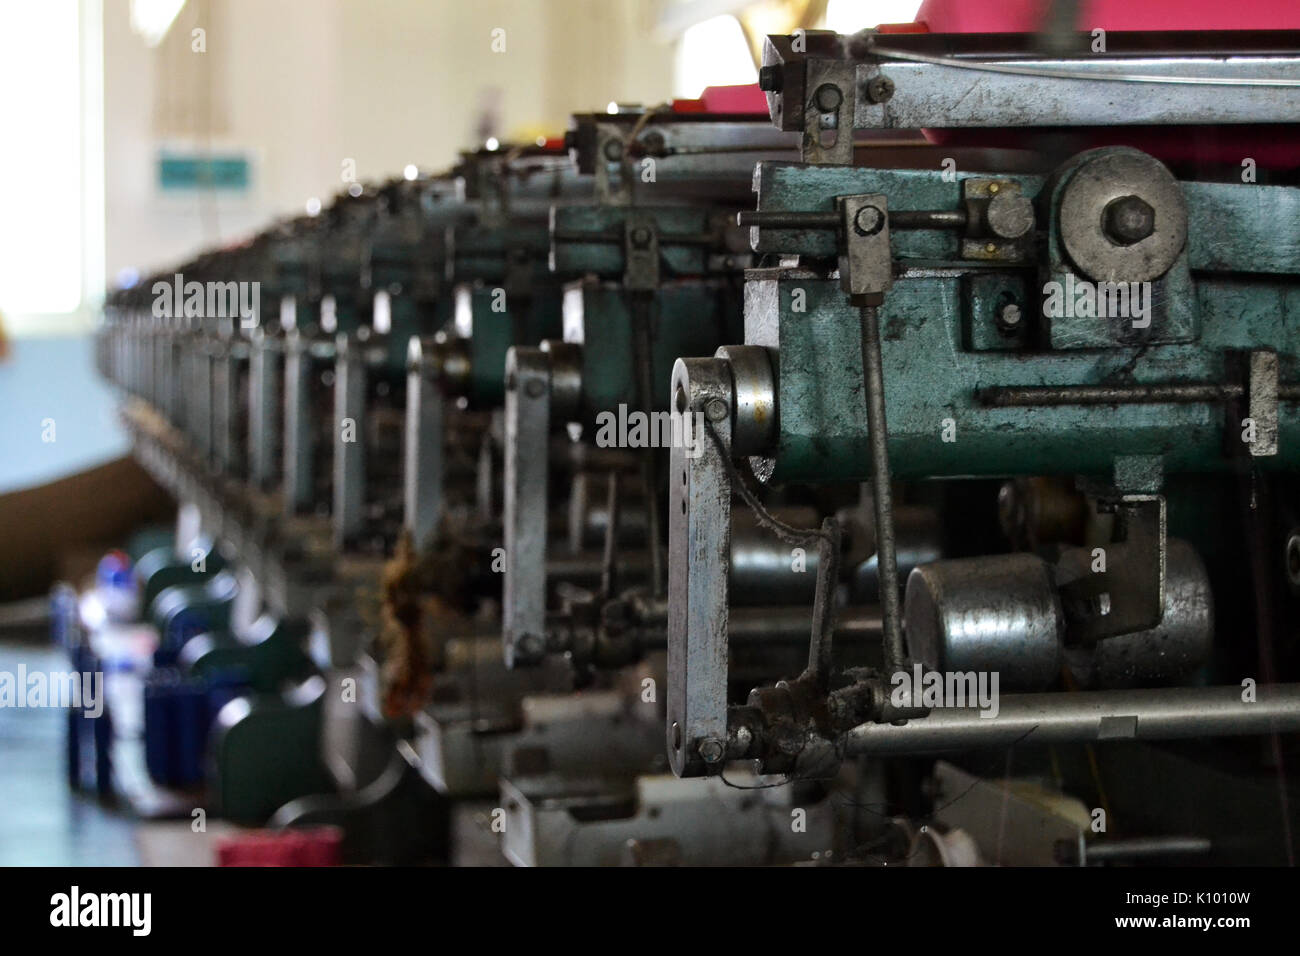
[{"x": 905, "y": 475}]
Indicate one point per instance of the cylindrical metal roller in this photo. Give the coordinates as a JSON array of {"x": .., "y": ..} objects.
[
  {"x": 918, "y": 537},
  {"x": 764, "y": 569},
  {"x": 998, "y": 613}
]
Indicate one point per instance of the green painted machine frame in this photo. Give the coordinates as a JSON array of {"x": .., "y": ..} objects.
[{"x": 1231, "y": 292}]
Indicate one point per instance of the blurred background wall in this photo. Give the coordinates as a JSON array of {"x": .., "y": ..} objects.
[
  {"x": 107, "y": 100},
  {"x": 312, "y": 90}
]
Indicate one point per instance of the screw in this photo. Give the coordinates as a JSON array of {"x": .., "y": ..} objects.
[
  {"x": 828, "y": 97},
  {"x": 868, "y": 221},
  {"x": 770, "y": 78},
  {"x": 1128, "y": 219},
  {"x": 716, "y": 409},
  {"x": 1009, "y": 317},
  {"x": 880, "y": 89},
  {"x": 613, "y": 150},
  {"x": 641, "y": 237},
  {"x": 534, "y": 388},
  {"x": 712, "y": 750}
]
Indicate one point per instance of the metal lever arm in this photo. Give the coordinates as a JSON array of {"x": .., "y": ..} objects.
[
  {"x": 528, "y": 428},
  {"x": 699, "y": 559}
]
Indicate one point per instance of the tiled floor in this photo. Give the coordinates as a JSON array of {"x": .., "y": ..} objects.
[
  {"x": 44, "y": 823},
  {"x": 41, "y": 821}
]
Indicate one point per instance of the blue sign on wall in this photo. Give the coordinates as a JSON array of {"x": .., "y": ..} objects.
[{"x": 182, "y": 172}]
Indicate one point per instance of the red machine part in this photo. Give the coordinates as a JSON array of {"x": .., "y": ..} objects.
[
  {"x": 1028, "y": 16},
  {"x": 309, "y": 846}
]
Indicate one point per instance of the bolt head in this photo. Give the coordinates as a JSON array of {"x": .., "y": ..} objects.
[
  {"x": 712, "y": 750},
  {"x": 869, "y": 221},
  {"x": 716, "y": 409},
  {"x": 828, "y": 97},
  {"x": 1128, "y": 219},
  {"x": 770, "y": 79},
  {"x": 1010, "y": 317}
]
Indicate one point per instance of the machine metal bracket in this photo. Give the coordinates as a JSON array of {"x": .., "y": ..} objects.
[
  {"x": 1129, "y": 595},
  {"x": 225, "y": 401},
  {"x": 866, "y": 265},
  {"x": 1262, "y": 399},
  {"x": 528, "y": 431},
  {"x": 349, "y": 439},
  {"x": 611, "y": 176},
  {"x": 265, "y": 370},
  {"x": 201, "y": 409},
  {"x": 299, "y": 427},
  {"x": 699, "y": 548},
  {"x": 1000, "y": 220},
  {"x": 423, "y": 470},
  {"x": 829, "y": 107},
  {"x": 641, "y": 249}
]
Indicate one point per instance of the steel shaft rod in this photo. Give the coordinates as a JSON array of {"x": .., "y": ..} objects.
[
  {"x": 1160, "y": 714},
  {"x": 881, "y": 493}
]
